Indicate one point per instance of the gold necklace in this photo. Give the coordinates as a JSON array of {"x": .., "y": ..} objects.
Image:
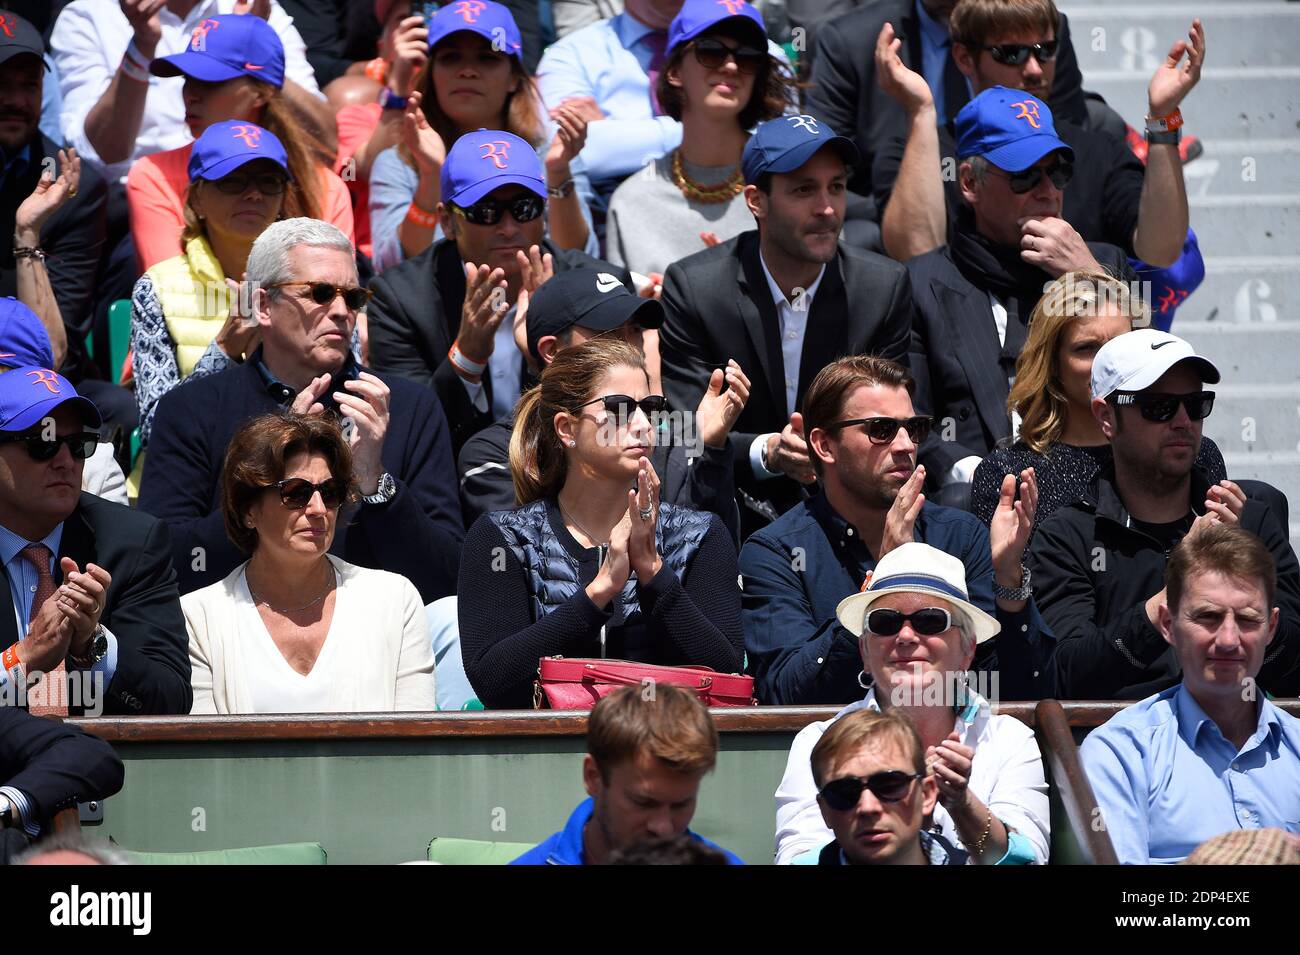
[
  {"x": 729, "y": 188},
  {"x": 282, "y": 610}
]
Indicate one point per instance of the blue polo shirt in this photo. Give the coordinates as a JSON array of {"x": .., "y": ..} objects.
[
  {"x": 1167, "y": 780},
  {"x": 565, "y": 847}
]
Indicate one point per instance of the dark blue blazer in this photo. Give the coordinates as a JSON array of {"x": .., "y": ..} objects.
[{"x": 417, "y": 534}]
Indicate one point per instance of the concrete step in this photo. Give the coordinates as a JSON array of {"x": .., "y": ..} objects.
[
  {"x": 1279, "y": 468},
  {"x": 1254, "y": 420},
  {"x": 1243, "y": 290},
  {"x": 1137, "y": 36},
  {"x": 1245, "y": 167},
  {"x": 1247, "y": 353},
  {"x": 1262, "y": 223},
  {"x": 1229, "y": 102}
]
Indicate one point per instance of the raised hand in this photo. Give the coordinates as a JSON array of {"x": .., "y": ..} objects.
[
  {"x": 1054, "y": 246},
  {"x": 951, "y": 762},
  {"x": 570, "y": 137},
  {"x": 904, "y": 86},
  {"x": 718, "y": 409},
  {"x": 585, "y": 107},
  {"x": 81, "y": 600},
  {"x": 787, "y": 452},
  {"x": 482, "y": 311},
  {"x": 534, "y": 268},
  {"x": 410, "y": 53},
  {"x": 903, "y": 513},
  {"x": 258, "y": 8},
  {"x": 1013, "y": 522},
  {"x": 49, "y": 194},
  {"x": 146, "y": 26},
  {"x": 240, "y": 334},
  {"x": 1171, "y": 83},
  {"x": 427, "y": 148},
  {"x": 308, "y": 400},
  {"x": 643, "y": 516},
  {"x": 364, "y": 402}
]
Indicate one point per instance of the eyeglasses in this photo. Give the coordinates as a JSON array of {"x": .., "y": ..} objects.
[
  {"x": 324, "y": 293},
  {"x": 711, "y": 54},
  {"x": 1060, "y": 172},
  {"x": 1014, "y": 54},
  {"x": 267, "y": 183},
  {"x": 928, "y": 621},
  {"x": 624, "y": 406},
  {"x": 489, "y": 211},
  {"x": 891, "y": 786},
  {"x": 1160, "y": 407},
  {"x": 296, "y": 493},
  {"x": 884, "y": 430},
  {"x": 80, "y": 445}
]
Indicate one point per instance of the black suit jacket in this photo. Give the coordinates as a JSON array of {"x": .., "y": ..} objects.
[
  {"x": 845, "y": 94},
  {"x": 73, "y": 238},
  {"x": 417, "y": 534},
  {"x": 415, "y": 316},
  {"x": 955, "y": 359},
  {"x": 718, "y": 305},
  {"x": 53, "y": 764},
  {"x": 142, "y": 608}
]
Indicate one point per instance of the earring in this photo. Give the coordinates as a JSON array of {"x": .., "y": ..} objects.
[
  {"x": 572, "y": 443},
  {"x": 862, "y": 675}
]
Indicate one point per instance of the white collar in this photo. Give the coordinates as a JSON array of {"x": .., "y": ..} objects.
[{"x": 778, "y": 297}]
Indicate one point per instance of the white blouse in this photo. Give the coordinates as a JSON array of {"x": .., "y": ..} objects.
[{"x": 376, "y": 657}]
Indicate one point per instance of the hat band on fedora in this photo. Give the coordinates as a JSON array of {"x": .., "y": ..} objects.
[{"x": 914, "y": 581}]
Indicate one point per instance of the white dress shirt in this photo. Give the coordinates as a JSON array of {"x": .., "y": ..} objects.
[
  {"x": 792, "y": 318},
  {"x": 506, "y": 366},
  {"x": 1006, "y": 775},
  {"x": 91, "y": 36},
  {"x": 963, "y": 472}
]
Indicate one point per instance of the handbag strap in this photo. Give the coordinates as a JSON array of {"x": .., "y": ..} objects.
[{"x": 598, "y": 674}]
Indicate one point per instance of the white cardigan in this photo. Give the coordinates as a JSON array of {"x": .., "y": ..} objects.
[{"x": 384, "y": 660}]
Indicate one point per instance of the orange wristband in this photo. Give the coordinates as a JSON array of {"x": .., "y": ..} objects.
[
  {"x": 1165, "y": 124},
  {"x": 13, "y": 667},
  {"x": 377, "y": 69},
  {"x": 419, "y": 217}
]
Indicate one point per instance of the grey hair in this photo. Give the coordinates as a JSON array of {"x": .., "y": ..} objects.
[
  {"x": 73, "y": 841},
  {"x": 979, "y": 168},
  {"x": 268, "y": 262}
]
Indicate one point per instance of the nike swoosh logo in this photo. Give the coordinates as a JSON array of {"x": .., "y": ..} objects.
[
  {"x": 250, "y": 66},
  {"x": 606, "y": 282},
  {"x": 1160, "y": 345}
]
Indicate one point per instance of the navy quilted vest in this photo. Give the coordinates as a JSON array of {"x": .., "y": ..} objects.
[{"x": 553, "y": 571}]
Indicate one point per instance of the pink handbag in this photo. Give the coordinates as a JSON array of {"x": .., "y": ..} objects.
[{"x": 576, "y": 684}]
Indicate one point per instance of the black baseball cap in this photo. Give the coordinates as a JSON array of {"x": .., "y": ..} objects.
[
  {"x": 17, "y": 36},
  {"x": 597, "y": 301}
]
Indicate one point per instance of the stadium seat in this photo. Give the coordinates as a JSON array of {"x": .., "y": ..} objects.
[
  {"x": 474, "y": 851},
  {"x": 290, "y": 853}
]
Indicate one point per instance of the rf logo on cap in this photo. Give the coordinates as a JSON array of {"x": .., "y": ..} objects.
[
  {"x": 469, "y": 10},
  {"x": 806, "y": 122},
  {"x": 4, "y": 25},
  {"x": 498, "y": 151},
  {"x": 249, "y": 134},
  {"x": 47, "y": 378},
  {"x": 1028, "y": 112},
  {"x": 733, "y": 6},
  {"x": 199, "y": 37}
]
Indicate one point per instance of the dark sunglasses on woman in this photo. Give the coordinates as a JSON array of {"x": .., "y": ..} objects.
[
  {"x": 267, "y": 183},
  {"x": 1014, "y": 54},
  {"x": 1060, "y": 172},
  {"x": 80, "y": 445},
  {"x": 489, "y": 211},
  {"x": 1161, "y": 407},
  {"x": 296, "y": 493},
  {"x": 624, "y": 406},
  {"x": 928, "y": 621},
  {"x": 884, "y": 430},
  {"x": 324, "y": 293},
  {"x": 890, "y": 786},
  {"x": 712, "y": 53}
]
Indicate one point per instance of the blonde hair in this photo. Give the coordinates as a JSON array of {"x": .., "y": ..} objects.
[
  {"x": 669, "y": 724},
  {"x": 538, "y": 465},
  {"x": 1037, "y": 396}
]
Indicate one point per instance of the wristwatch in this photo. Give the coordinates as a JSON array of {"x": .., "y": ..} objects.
[
  {"x": 384, "y": 493},
  {"x": 98, "y": 649},
  {"x": 390, "y": 100},
  {"x": 7, "y": 819},
  {"x": 1023, "y": 592},
  {"x": 560, "y": 191}
]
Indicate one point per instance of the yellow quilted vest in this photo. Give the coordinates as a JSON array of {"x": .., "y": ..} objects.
[{"x": 192, "y": 291}]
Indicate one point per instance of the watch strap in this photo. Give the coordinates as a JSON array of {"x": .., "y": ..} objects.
[
  {"x": 561, "y": 191},
  {"x": 1170, "y": 138},
  {"x": 1023, "y": 592}
]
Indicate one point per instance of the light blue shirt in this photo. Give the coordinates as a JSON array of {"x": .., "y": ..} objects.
[
  {"x": 936, "y": 48},
  {"x": 1167, "y": 780},
  {"x": 22, "y": 588}
]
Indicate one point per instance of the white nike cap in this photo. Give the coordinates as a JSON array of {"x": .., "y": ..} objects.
[{"x": 1136, "y": 360}]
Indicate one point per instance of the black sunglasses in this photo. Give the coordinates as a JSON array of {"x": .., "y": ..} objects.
[
  {"x": 884, "y": 430},
  {"x": 625, "y": 406},
  {"x": 297, "y": 493},
  {"x": 489, "y": 211},
  {"x": 80, "y": 445},
  {"x": 324, "y": 293},
  {"x": 1014, "y": 54},
  {"x": 928, "y": 621},
  {"x": 890, "y": 786},
  {"x": 711, "y": 54},
  {"x": 1060, "y": 172},
  {"x": 267, "y": 183},
  {"x": 1160, "y": 407}
]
